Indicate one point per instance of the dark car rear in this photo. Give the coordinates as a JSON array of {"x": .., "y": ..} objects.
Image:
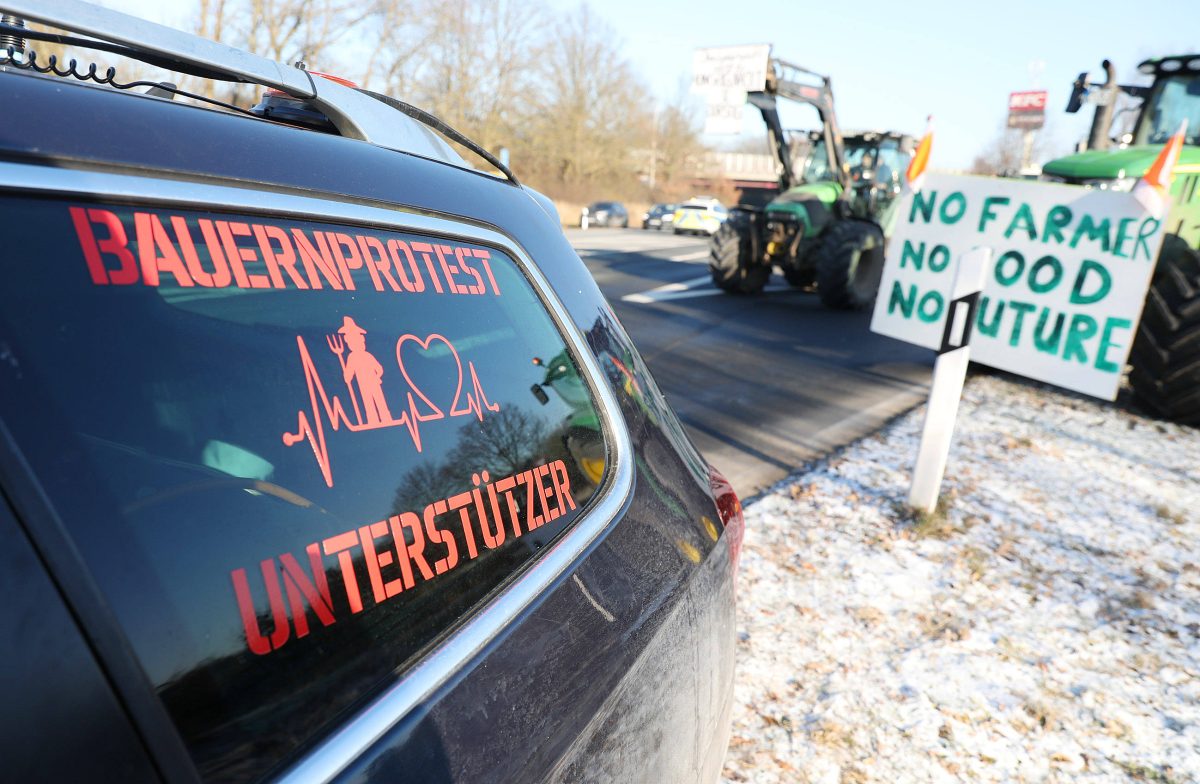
[
  {"x": 660, "y": 216},
  {"x": 607, "y": 213},
  {"x": 285, "y": 495}
]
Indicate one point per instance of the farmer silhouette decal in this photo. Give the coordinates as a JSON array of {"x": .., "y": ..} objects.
[
  {"x": 363, "y": 374},
  {"x": 362, "y": 368}
]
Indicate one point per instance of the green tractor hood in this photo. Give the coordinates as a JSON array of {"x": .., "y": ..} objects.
[
  {"x": 796, "y": 201},
  {"x": 1113, "y": 164},
  {"x": 794, "y": 198}
]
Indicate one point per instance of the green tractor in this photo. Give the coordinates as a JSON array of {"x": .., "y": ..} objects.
[
  {"x": 1166, "y": 351},
  {"x": 828, "y": 225}
]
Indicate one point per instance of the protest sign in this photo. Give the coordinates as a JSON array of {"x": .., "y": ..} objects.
[
  {"x": 1069, "y": 275},
  {"x": 723, "y": 75}
]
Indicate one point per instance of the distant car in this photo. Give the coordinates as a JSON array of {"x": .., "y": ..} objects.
[
  {"x": 660, "y": 216},
  {"x": 282, "y": 496},
  {"x": 699, "y": 216},
  {"x": 605, "y": 213}
]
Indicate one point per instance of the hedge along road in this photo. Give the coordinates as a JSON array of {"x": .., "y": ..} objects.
[{"x": 763, "y": 384}]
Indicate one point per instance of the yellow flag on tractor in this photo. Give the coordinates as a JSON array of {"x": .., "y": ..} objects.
[
  {"x": 1152, "y": 189},
  {"x": 915, "y": 176}
]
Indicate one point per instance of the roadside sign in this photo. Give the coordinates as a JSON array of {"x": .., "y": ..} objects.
[
  {"x": 1027, "y": 109},
  {"x": 730, "y": 68},
  {"x": 1064, "y": 294},
  {"x": 724, "y": 111},
  {"x": 723, "y": 75}
]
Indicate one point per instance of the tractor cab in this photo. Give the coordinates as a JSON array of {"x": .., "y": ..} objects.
[
  {"x": 1173, "y": 97},
  {"x": 1166, "y": 352},
  {"x": 875, "y": 164}
]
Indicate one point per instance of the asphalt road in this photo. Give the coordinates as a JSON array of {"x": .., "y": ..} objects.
[{"x": 763, "y": 384}]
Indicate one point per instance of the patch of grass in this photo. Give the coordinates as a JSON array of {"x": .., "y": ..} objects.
[
  {"x": 1140, "y": 600},
  {"x": 852, "y": 775},
  {"x": 935, "y": 524},
  {"x": 976, "y": 561},
  {"x": 1147, "y": 773},
  {"x": 1169, "y": 515}
]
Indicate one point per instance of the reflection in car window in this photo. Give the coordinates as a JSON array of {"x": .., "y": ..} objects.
[
  {"x": 891, "y": 162},
  {"x": 1174, "y": 100},
  {"x": 816, "y": 168},
  {"x": 292, "y": 454}
]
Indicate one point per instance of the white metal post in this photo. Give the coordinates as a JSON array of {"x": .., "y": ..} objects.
[{"x": 949, "y": 373}]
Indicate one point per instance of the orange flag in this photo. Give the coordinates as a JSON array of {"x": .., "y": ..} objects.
[
  {"x": 1151, "y": 189},
  {"x": 915, "y": 176}
]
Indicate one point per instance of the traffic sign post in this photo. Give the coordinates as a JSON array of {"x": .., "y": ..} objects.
[{"x": 949, "y": 374}]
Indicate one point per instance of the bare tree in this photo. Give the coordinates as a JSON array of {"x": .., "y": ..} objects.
[
  {"x": 479, "y": 62},
  {"x": 554, "y": 89},
  {"x": 590, "y": 111},
  {"x": 675, "y": 144},
  {"x": 1004, "y": 153}
]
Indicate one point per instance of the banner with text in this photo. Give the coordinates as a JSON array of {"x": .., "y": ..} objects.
[
  {"x": 723, "y": 75},
  {"x": 1070, "y": 271}
]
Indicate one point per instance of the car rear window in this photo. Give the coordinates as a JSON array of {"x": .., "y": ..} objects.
[{"x": 293, "y": 454}]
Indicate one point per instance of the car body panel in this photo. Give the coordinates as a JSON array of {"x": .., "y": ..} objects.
[
  {"x": 633, "y": 638},
  {"x": 52, "y": 685}
]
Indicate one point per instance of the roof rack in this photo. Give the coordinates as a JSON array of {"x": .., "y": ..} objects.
[{"x": 354, "y": 114}]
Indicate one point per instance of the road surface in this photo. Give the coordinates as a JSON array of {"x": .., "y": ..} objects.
[{"x": 763, "y": 384}]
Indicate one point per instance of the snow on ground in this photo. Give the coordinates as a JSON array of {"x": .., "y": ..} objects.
[{"x": 1046, "y": 627}]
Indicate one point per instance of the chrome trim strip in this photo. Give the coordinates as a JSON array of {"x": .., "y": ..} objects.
[
  {"x": 349, "y": 741},
  {"x": 354, "y": 114}
]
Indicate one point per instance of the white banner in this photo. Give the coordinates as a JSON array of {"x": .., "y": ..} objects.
[
  {"x": 723, "y": 75},
  {"x": 730, "y": 68},
  {"x": 725, "y": 110},
  {"x": 1069, "y": 275}
]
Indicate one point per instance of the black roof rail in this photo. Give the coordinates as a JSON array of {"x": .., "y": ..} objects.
[{"x": 354, "y": 113}]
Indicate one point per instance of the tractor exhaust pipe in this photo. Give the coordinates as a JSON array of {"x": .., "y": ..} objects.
[{"x": 1107, "y": 103}]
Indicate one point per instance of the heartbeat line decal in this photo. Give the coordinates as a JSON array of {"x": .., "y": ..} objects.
[{"x": 362, "y": 375}]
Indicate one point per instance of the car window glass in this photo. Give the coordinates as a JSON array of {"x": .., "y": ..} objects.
[{"x": 293, "y": 454}]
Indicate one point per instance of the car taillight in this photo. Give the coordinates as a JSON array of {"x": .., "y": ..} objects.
[{"x": 729, "y": 509}]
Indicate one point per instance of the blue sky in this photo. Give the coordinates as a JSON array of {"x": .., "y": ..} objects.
[{"x": 894, "y": 63}]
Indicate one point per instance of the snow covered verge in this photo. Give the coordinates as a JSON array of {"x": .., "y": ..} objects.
[{"x": 1044, "y": 626}]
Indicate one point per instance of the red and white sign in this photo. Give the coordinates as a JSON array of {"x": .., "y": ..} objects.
[
  {"x": 1027, "y": 101},
  {"x": 1027, "y": 109}
]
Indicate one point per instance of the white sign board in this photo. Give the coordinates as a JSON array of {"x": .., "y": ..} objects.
[
  {"x": 724, "y": 112},
  {"x": 723, "y": 75},
  {"x": 730, "y": 68},
  {"x": 1070, "y": 271}
]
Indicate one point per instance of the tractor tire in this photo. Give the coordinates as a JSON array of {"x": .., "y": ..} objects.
[
  {"x": 1166, "y": 352},
  {"x": 800, "y": 278},
  {"x": 849, "y": 265},
  {"x": 729, "y": 260}
]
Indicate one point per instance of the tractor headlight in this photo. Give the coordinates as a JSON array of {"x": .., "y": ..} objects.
[{"x": 1119, "y": 184}]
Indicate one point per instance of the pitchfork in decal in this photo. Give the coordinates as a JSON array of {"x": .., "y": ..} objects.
[
  {"x": 363, "y": 376},
  {"x": 361, "y": 367}
]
